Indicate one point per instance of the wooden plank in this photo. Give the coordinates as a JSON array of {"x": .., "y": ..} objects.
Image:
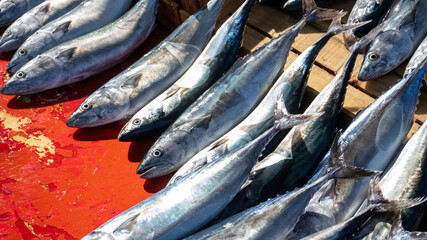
[
  {"x": 191, "y": 6},
  {"x": 168, "y": 14},
  {"x": 183, "y": 14}
]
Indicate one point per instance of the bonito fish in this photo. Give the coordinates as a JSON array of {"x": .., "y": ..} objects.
[
  {"x": 10, "y": 10},
  {"x": 32, "y": 20},
  {"x": 85, "y": 18},
  {"x": 87, "y": 55},
  {"x": 226, "y": 103},
  {"x": 405, "y": 29},
  {"x": 371, "y": 141},
  {"x": 126, "y": 93},
  {"x": 187, "y": 205},
  {"x": 215, "y": 59}
]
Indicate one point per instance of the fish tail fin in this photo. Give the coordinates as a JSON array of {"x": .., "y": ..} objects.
[
  {"x": 356, "y": 44},
  {"x": 336, "y": 27},
  {"x": 339, "y": 169},
  {"x": 377, "y": 200},
  {"x": 314, "y": 13},
  {"x": 283, "y": 119}
]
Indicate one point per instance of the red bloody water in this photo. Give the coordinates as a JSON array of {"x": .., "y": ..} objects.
[{"x": 58, "y": 182}]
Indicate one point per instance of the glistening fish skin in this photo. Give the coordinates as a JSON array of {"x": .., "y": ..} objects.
[
  {"x": 128, "y": 92},
  {"x": 275, "y": 218},
  {"x": 87, "y": 55},
  {"x": 417, "y": 58},
  {"x": 290, "y": 86},
  {"x": 290, "y": 164},
  {"x": 187, "y": 205},
  {"x": 404, "y": 179},
  {"x": 10, "y": 10},
  {"x": 225, "y": 104},
  {"x": 32, "y": 20},
  {"x": 215, "y": 59},
  {"x": 405, "y": 30},
  {"x": 85, "y": 18},
  {"x": 365, "y": 10},
  {"x": 296, "y": 5},
  {"x": 370, "y": 141}
]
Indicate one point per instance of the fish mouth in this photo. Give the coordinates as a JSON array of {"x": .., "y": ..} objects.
[
  {"x": 150, "y": 171},
  {"x": 12, "y": 68}
]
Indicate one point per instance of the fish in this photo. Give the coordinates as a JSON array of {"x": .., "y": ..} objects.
[
  {"x": 226, "y": 103},
  {"x": 290, "y": 85},
  {"x": 417, "y": 58},
  {"x": 404, "y": 179},
  {"x": 296, "y": 5},
  {"x": 184, "y": 207},
  {"x": 404, "y": 31},
  {"x": 275, "y": 218},
  {"x": 399, "y": 233},
  {"x": 296, "y": 156},
  {"x": 27, "y": 24},
  {"x": 379, "y": 209},
  {"x": 10, "y": 10},
  {"x": 153, "y": 73},
  {"x": 364, "y": 10},
  {"x": 371, "y": 141},
  {"x": 87, "y": 55},
  {"x": 215, "y": 59},
  {"x": 89, "y": 16}
]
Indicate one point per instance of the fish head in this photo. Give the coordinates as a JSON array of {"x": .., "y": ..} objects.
[
  {"x": 106, "y": 105},
  {"x": 167, "y": 154},
  {"x": 9, "y": 38},
  {"x": 385, "y": 53},
  {"x": 39, "y": 74},
  {"x": 9, "y": 9}
]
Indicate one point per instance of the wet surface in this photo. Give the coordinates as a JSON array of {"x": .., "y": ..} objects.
[{"x": 58, "y": 182}]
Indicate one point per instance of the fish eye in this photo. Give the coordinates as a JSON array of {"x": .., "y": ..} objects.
[
  {"x": 20, "y": 74},
  {"x": 356, "y": 20},
  {"x": 86, "y": 106},
  {"x": 137, "y": 121},
  {"x": 22, "y": 52},
  {"x": 373, "y": 56},
  {"x": 7, "y": 32},
  {"x": 157, "y": 153}
]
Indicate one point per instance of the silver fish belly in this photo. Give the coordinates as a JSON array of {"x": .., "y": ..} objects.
[
  {"x": 128, "y": 92},
  {"x": 32, "y": 20},
  {"x": 87, "y": 55},
  {"x": 215, "y": 59},
  {"x": 85, "y": 18}
]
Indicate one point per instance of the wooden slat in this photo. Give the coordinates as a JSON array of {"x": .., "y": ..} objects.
[
  {"x": 168, "y": 14},
  {"x": 191, "y": 6}
]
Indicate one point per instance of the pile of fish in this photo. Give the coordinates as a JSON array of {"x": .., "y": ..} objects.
[{"x": 247, "y": 165}]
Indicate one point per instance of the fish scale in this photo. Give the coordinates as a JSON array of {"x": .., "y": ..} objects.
[{"x": 13, "y": 9}]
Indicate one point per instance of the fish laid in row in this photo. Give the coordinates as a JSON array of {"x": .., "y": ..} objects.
[
  {"x": 226, "y": 103},
  {"x": 296, "y": 5},
  {"x": 12, "y": 9},
  {"x": 32, "y": 20},
  {"x": 87, "y": 55},
  {"x": 85, "y": 18},
  {"x": 276, "y": 217},
  {"x": 126, "y": 93},
  {"x": 365, "y": 10},
  {"x": 184, "y": 207},
  {"x": 215, "y": 59},
  {"x": 404, "y": 30},
  {"x": 371, "y": 141}
]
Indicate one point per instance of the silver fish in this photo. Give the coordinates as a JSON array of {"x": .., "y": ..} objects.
[
  {"x": 187, "y": 205},
  {"x": 126, "y": 93},
  {"x": 290, "y": 85},
  {"x": 404, "y": 31},
  {"x": 296, "y": 5},
  {"x": 85, "y": 18},
  {"x": 275, "y": 218},
  {"x": 417, "y": 58},
  {"x": 379, "y": 209},
  {"x": 215, "y": 59},
  {"x": 365, "y": 10},
  {"x": 404, "y": 178},
  {"x": 370, "y": 141},
  {"x": 87, "y": 55},
  {"x": 399, "y": 233},
  {"x": 32, "y": 20},
  {"x": 226, "y": 103},
  {"x": 10, "y": 10}
]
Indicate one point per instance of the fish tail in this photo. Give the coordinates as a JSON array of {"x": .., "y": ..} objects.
[
  {"x": 377, "y": 200},
  {"x": 356, "y": 44},
  {"x": 283, "y": 119},
  {"x": 313, "y": 13},
  {"x": 336, "y": 27},
  {"x": 338, "y": 167}
]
